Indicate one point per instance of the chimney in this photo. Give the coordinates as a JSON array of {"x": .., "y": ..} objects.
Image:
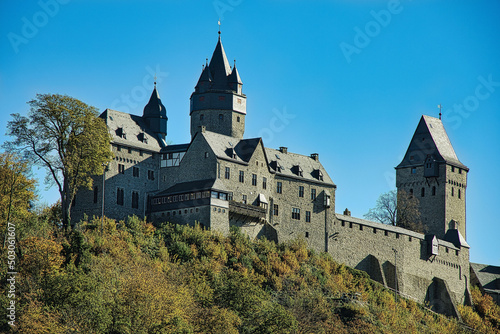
[
  {"x": 347, "y": 212},
  {"x": 202, "y": 128},
  {"x": 315, "y": 156},
  {"x": 283, "y": 149}
]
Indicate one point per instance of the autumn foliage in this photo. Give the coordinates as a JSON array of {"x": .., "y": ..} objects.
[{"x": 132, "y": 277}]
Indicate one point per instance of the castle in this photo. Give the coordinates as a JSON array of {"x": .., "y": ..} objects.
[{"x": 220, "y": 179}]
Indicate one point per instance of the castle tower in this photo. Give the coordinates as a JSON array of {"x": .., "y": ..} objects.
[
  {"x": 155, "y": 115},
  {"x": 218, "y": 103},
  {"x": 431, "y": 172}
]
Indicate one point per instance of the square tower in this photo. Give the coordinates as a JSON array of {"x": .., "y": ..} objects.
[{"x": 431, "y": 172}]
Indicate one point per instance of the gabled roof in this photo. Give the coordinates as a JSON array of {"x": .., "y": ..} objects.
[
  {"x": 223, "y": 146},
  {"x": 155, "y": 108},
  {"x": 292, "y": 162},
  {"x": 131, "y": 130},
  {"x": 430, "y": 139}
]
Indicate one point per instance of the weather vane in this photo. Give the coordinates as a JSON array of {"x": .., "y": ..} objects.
[
  {"x": 218, "y": 22},
  {"x": 155, "y": 79},
  {"x": 440, "y": 106}
]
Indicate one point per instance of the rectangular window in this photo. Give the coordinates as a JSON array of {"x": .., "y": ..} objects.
[
  {"x": 452, "y": 191},
  {"x": 121, "y": 168},
  {"x": 118, "y": 148},
  {"x": 96, "y": 194},
  {"x": 264, "y": 183},
  {"x": 279, "y": 187},
  {"x": 135, "y": 172},
  {"x": 215, "y": 194},
  {"x": 129, "y": 150},
  {"x": 254, "y": 179},
  {"x": 452, "y": 169},
  {"x": 308, "y": 216},
  {"x": 295, "y": 213},
  {"x": 227, "y": 174},
  {"x": 459, "y": 193},
  {"x": 313, "y": 194},
  {"x": 301, "y": 191},
  {"x": 414, "y": 170},
  {"x": 119, "y": 196},
  {"x": 151, "y": 174},
  {"x": 275, "y": 209},
  {"x": 242, "y": 176},
  {"x": 135, "y": 200},
  {"x": 307, "y": 234},
  {"x": 244, "y": 200},
  {"x": 141, "y": 153}
]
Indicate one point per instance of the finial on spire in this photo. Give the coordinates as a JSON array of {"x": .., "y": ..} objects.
[
  {"x": 218, "y": 22},
  {"x": 155, "y": 80},
  {"x": 440, "y": 106}
]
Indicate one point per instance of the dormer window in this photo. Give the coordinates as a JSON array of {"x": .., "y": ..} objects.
[
  {"x": 142, "y": 137},
  {"x": 298, "y": 170},
  {"x": 120, "y": 132},
  {"x": 318, "y": 174}
]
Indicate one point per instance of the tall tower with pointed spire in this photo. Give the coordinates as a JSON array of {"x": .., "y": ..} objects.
[
  {"x": 431, "y": 172},
  {"x": 217, "y": 102},
  {"x": 155, "y": 115}
]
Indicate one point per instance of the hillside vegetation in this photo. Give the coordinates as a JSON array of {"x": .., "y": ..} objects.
[{"x": 130, "y": 277}]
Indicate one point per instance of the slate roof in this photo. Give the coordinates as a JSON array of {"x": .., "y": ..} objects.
[
  {"x": 155, "y": 107},
  {"x": 456, "y": 238},
  {"x": 175, "y": 148},
  {"x": 219, "y": 67},
  {"x": 223, "y": 147},
  {"x": 235, "y": 76},
  {"x": 291, "y": 163},
  {"x": 488, "y": 276},
  {"x": 198, "y": 185},
  {"x": 131, "y": 130},
  {"x": 430, "y": 138}
]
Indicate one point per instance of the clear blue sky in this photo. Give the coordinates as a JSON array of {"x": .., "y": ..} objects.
[{"x": 353, "y": 76}]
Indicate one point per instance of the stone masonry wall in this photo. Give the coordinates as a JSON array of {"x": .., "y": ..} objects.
[
  {"x": 370, "y": 246},
  {"x": 129, "y": 157}
]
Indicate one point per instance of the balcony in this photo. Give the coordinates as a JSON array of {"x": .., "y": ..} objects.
[{"x": 247, "y": 210}]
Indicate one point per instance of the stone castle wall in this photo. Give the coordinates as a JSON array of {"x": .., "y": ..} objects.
[{"x": 370, "y": 246}]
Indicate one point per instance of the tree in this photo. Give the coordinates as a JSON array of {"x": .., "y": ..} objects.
[
  {"x": 385, "y": 210},
  {"x": 397, "y": 208},
  {"x": 65, "y": 136},
  {"x": 17, "y": 190}
]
